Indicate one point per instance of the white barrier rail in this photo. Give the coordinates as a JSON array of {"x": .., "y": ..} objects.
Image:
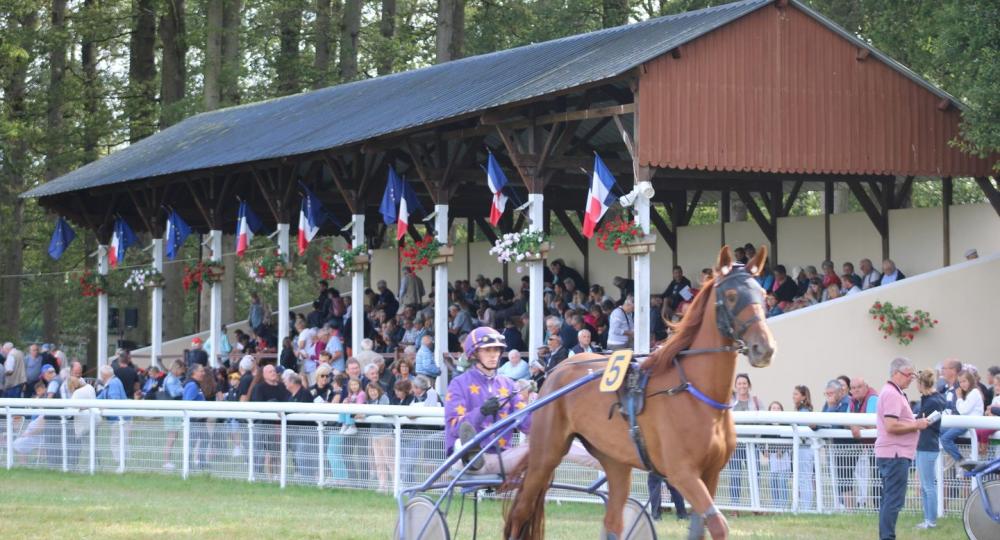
[{"x": 781, "y": 463}]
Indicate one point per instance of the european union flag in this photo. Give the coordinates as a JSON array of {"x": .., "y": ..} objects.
[
  {"x": 395, "y": 189},
  {"x": 62, "y": 237},
  {"x": 177, "y": 232}
]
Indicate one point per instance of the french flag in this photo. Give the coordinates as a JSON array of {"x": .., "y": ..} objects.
[
  {"x": 246, "y": 225},
  {"x": 599, "y": 197},
  {"x": 121, "y": 239},
  {"x": 402, "y": 219},
  {"x": 311, "y": 217},
  {"x": 496, "y": 179}
]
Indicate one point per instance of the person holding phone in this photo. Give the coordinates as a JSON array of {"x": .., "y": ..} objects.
[{"x": 931, "y": 402}]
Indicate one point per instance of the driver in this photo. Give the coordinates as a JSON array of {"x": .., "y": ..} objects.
[{"x": 481, "y": 396}]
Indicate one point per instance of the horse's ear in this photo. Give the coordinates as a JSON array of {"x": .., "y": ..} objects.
[
  {"x": 725, "y": 261},
  {"x": 756, "y": 265}
]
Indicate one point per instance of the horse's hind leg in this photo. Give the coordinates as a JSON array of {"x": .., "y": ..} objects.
[
  {"x": 695, "y": 491},
  {"x": 619, "y": 482}
]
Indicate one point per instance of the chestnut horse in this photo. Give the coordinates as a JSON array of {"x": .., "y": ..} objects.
[{"x": 686, "y": 439}]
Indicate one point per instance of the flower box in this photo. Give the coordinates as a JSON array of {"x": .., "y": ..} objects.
[
  {"x": 360, "y": 263},
  {"x": 444, "y": 256},
  {"x": 543, "y": 253},
  {"x": 214, "y": 272},
  {"x": 639, "y": 246}
]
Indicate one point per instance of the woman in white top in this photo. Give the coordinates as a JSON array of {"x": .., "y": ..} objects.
[
  {"x": 79, "y": 389},
  {"x": 968, "y": 402}
]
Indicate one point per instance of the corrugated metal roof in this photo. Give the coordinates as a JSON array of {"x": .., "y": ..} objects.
[{"x": 350, "y": 113}]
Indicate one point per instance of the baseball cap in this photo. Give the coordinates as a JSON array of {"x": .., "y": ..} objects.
[
  {"x": 47, "y": 368},
  {"x": 196, "y": 341}
]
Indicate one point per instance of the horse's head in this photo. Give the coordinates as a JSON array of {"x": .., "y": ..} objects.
[{"x": 739, "y": 309}]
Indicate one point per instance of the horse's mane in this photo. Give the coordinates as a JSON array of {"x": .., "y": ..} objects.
[{"x": 684, "y": 331}]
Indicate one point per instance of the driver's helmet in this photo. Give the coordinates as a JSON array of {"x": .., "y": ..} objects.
[{"x": 481, "y": 337}]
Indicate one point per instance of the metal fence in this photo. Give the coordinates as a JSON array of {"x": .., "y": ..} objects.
[{"x": 780, "y": 463}]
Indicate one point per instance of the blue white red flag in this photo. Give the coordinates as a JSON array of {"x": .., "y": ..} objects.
[
  {"x": 599, "y": 198},
  {"x": 311, "y": 218},
  {"x": 247, "y": 224},
  {"x": 496, "y": 179},
  {"x": 395, "y": 189},
  {"x": 402, "y": 219}
]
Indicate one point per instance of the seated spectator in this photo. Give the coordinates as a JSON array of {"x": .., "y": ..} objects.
[
  {"x": 773, "y": 307},
  {"x": 968, "y": 402},
  {"x": 870, "y": 277},
  {"x": 584, "y": 343},
  {"x": 424, "y": 393},
  {"x": 515, "y": 368},
  {"x": 553, "y": 353},
  {"x": 849, "y": 284},
  {"x": 672, "y": 295},
  {"x": 537, "y": 371},
  {"x": 801, "y": 280},
  {"x": 784, "y": 288},
  {"x": 512, "y": 334},
  {"x": 830, "y": 276},
  {"x": 322, "y": 391},
  {"x": 425, "y": 364},
  {"x": 848, "y": 269},
  {"x": 890, "y": 274}
]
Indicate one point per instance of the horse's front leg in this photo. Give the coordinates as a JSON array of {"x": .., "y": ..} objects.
[
  {"x": 705, "y": 513},
  {"x": 619, "y": 482}
]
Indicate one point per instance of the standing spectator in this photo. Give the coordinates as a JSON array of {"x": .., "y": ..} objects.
[
  {"x": 844, "y": 465},
  {"x": 743, "y": 401},
  {"x": 895, "y": 444},
  {"x": 75, "y": 370},
  {"x": 255, "y": 318},
  {"x": 411, "y": 290},
  {"x": 870, "y": 277},
  {"x": 622, "y": 326},
  {"x": 863, "y": 399},
  {"x": 890, "y": 274},
  {"x": 928, "y": 447},
  {"x": 268, "y": 390},
  {"x": 173, "y": 388},
  {"x": 301, "y": 439},
  {"x": 802, "y": 401},
  {"x": 335, "y": 346},
  {"x": 385, "y": 300},
  {"x": 16, "y": 375},
  {"x": 287, "y": 358},
  {"x": 51, "y": 380},
  {"x": 948, "y": 384},
  {"x": 33, "y": 364},
  {"x": 561, "y": 273},
  {"x": 779, "y": 461},
  {"x": 515, "y": 368},
  {"x": 126, "y": 372},
  {"x": 199, "y": 433},
  {"x": 654, "y": 485},
  {"x": 79, "y": 389},
  {"x": 969, "y": 402},
  {"x": 113, "y": 389},
  {"x": 425, "y": 364}
]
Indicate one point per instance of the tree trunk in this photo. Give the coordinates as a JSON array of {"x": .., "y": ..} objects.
[
  {"x": 141, "y": 104},
  {"x": 213, "y": 55},
  {"x": 232, "y": 23},
  {"x": 615, "y": 13},
  {"x": 289, "y": 30},
  {"x": 450, "y": 30},
  {"x": 91, "y": 91},
  {"x": 387, "y": 27},
  {"x": 321, "y": 42},
  {"x": 350, "y": 27},
  {"x": 20, "y": 31},
  {"x": 173, "y": 66}
]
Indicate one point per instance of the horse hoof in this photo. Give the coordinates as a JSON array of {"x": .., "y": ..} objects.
[
  {"x": 696, "y": 529},
  {"x": 717, "y": 526},
  {"x": 605, "y": 535}
]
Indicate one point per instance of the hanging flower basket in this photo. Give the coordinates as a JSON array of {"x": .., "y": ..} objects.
[
  {"x": 273, "y": 265},
  {"x": 141, "y": 279},
  {"x": 93, "y": 285},
  {"x": 639, "y": 246},
  {"x": 518, "y": 247},
  {"x": 201, "y": 273},
  {"x": 426, "y": 252},
  {"x": 347, "y": 261},
  {"x": 625, "y": 237},
  {"x": 897, "y": 322}
]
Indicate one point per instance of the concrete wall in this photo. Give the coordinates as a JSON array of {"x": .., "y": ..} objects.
[{"x": 819, "y": 343}]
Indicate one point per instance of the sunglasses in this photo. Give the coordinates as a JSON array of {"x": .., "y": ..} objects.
[{"x": 322, "y": 376}]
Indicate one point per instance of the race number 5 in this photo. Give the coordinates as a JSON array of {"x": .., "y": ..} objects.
[{"x": 615, "y": 370}]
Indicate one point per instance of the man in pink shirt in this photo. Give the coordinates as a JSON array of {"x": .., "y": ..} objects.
[{"x": 896, "y": 443}]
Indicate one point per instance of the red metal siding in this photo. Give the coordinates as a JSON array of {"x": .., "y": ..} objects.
[{"x": 778, "y": 92}]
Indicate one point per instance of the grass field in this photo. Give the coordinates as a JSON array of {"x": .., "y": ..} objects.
[{"x": 44, "y": 504}]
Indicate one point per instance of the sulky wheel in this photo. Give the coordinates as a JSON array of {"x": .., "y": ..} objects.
[
  {"x": 638, "y": 524},
  {"x": 418, "y": 512},
  {"x": 978, "y": 524}
]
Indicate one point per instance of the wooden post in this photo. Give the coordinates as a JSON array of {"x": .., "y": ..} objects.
[
  {"x": 827, "y": 210},
  {"x": 947, "y": 197},
  {"x": 156, "y": 317},
  {"x": 102, "y": 309},
  {"x": 441, "y": 300},
  {"x": 357, "y": 288},
  {"x": 215, "y": 314},
  {"x": 725, "y": 212}
]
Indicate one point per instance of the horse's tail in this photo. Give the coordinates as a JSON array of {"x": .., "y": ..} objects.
[{"x": 533, "y": 528}]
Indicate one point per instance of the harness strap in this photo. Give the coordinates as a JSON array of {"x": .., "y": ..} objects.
[{"x": 637, "y": 387}]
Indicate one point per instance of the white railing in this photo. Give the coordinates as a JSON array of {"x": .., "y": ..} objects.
[{"x": 781, "y": 464}]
